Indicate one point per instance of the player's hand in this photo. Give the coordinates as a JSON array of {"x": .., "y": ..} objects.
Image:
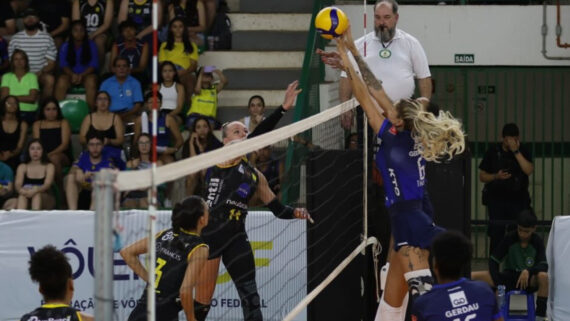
[
  {"x": 348, "y": 40},
  {"x": 303, "y": 214},
  {"x": 502, "y": 175},
  {"x": 331, "y": 58},
  {"x": 290, "y": 95},
  {"x": 522, "y": 282}
]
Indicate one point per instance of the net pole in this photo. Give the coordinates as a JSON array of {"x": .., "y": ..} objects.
[
  {"x": 104, "y": 202},
  {"x": 364, "y": 155},
  {"x": 151, "y": 302}
]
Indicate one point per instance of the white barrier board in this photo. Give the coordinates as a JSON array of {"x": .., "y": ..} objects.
[
  {"x": 280, "y": 256},
  {"x": 558, "y": 256}
]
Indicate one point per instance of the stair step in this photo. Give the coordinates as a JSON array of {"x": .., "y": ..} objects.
[
  {"x": 272, "y": 6},
  {"x": 270, "y": 21},
  {"x": 261, "y": 78},
  {"x": 269, "y": 40},
  {"x": 252, "y": 59}
]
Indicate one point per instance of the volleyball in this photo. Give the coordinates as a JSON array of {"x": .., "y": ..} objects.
[{"x": 331, "y": 22}]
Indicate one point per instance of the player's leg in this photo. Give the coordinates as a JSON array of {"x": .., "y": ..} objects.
[
  {"x": 391, "y": 307},
  {"x": 415, "y": 263},
  {"x": 239, "y": 261},
  {"x": 205, "y": 288},
  {"x": 541, "y": 281}
]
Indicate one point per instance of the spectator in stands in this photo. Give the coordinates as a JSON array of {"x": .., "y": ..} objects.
[
  {"x": 451, "y": 255},
  {"x": 98, "y": 17},
  {"x": 168, "y": 139},
  {"x": 172, "y": 91},
  {"x": 4, "y": 58},
  {"x": 505, "y": 170},
  {"x": 78, "y": 184},
  {"x": 193, "y": 12},
  {"x": 211, "y": 10},
  {"x": 12, "y": 132},
  {"x": 256, "y": 108},
  {"x": 271, "y": 167},
  {"x": 6, "y": 187},
  {"x": 351, "y": 142},
  {"x": 205, "y": 98},
  {"x": 79, "y": 61},
  {"x": 40, "y": 48},
  {"x": 54, "y": 133},
  {"x": 7, "y": 19},
  {"x": 22, "y": 84},
  {"x": 135, "y": 50},
  {"x": 125, "y": 91},
  {"x": 201, "y": 140},
  {"x": 107, "y": 125},
  {"x": 140, "y": 160},
  {"x": 523, "y": 256},
  {"x": 182, "y": 52},
  {"x": 54, "y": 16},
  {"x": 140, "y": 11},
  {"x": 34, "y": 179}
]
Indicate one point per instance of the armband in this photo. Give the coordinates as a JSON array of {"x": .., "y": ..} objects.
[{"x": 281, "y": 211}]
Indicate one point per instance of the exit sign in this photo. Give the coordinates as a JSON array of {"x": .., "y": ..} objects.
[{"x": 464, "y": 58}]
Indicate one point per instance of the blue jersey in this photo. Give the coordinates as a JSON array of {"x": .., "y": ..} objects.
[
  {"x": 462, "y": 300},
  {"x": 403, "y": 169}
]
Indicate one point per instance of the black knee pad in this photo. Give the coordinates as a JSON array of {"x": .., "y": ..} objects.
[
  {"x": 419, "y": 285},
  {"x": 201, "y": 310},
  {"x": 250, "y": 301}
]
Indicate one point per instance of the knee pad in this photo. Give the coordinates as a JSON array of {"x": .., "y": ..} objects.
[
  {"x": 383, "y": 275},
  {"x": 250, "y": 301},
  {"x": 419, "y": 282},
  {"x": 201, "y": 310},
  {"x": 387, "y": 312}
]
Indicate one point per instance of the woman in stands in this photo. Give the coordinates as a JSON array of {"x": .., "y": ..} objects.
[
  {"x": 54, "y": 133},
  {"x": 12, "y": 132},
  {"x": 79, "y": 61},
  {"x": 182, "y": 52},
  {"x": 194, "y": 14},
  {"x": 172, "y": 91},
  {"x": 256, "y": 108},
  {"x": 98, "y": 17},
  {"x": 109, "y": 125},
  {"x": 22, "y": 84},
  {"x": 51, "y": 269},
  {"x": 180, "y": 257},
  {"x": 34, "y": 179},
  {"x": 409, "y": 136}
]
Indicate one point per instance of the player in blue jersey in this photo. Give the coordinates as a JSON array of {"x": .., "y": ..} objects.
[
  {"x": 409, "y": 136},
  {"x": 455, "y": 298}
]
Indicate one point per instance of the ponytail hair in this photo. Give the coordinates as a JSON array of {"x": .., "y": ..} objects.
[
  {"x": 439, "y": 137},
  {"x": 186, "y": 213}
]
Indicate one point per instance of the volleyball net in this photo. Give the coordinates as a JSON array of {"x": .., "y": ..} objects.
[{"x": 295, "y": 260}]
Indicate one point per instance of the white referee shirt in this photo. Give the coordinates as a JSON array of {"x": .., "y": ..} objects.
[
  {"x": 407, "y": 61},
  {"x": 39, "y": 48}
]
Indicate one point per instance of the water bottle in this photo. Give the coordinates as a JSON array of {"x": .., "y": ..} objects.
[{"x": 501, "y": 296}]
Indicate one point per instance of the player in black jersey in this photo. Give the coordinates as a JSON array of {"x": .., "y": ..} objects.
[
  {"x": 98, "y": 17},
  {"x": 231, "y": 187},
  {"x": 180, "y": 256},
  {"x": 50, "y": 268}
]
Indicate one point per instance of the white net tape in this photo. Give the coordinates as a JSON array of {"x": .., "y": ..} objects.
[{"x": 133, "y": 180}]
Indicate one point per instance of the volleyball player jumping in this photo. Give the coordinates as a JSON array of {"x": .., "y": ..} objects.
[{"x": 409, "y": 136}]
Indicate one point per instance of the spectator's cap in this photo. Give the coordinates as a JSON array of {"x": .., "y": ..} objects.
[
  {"x": 30, "y": 12},
  {"x": 511, "y": 130},
  {"x": 209, "y": 69}
]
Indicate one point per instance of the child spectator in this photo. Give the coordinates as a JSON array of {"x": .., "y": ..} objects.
[
  {"x": 12, "y": 132},
  {"x": 182, "y": 52},
  {"x": 133, "y": 49},
  {"x": 22, "y": 84},
  {"x": 78, "y": 183},
  {"x": 78, "y": 60},
  {"x": 201, "y": 140},
  {"x": 256, "y": 108},
  {"x": 172, "y": 91},
  {"x": 54, "y": 133},
  {"x": 107, "y": 125},
  {"x": 98, "y": 16},
  {"x": 524, "y": 257},
  {"x": 205, "y": 98},
  {"x": 34, "y": 179},
  {"x": 169, "y": 139},
  {"x": 140, "y": 11}
]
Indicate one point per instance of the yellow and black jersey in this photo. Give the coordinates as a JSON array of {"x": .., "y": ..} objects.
[
  {"x": 229, "y": 190},
  {"x": 53, "y": 312}
]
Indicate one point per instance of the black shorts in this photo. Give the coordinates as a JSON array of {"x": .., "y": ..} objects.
[
  {"x": 220, "y": 235},
  {"x": 509, "y": 279}
]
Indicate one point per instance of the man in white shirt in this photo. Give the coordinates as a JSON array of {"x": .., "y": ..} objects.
[{"x": 40, "y": 48}]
